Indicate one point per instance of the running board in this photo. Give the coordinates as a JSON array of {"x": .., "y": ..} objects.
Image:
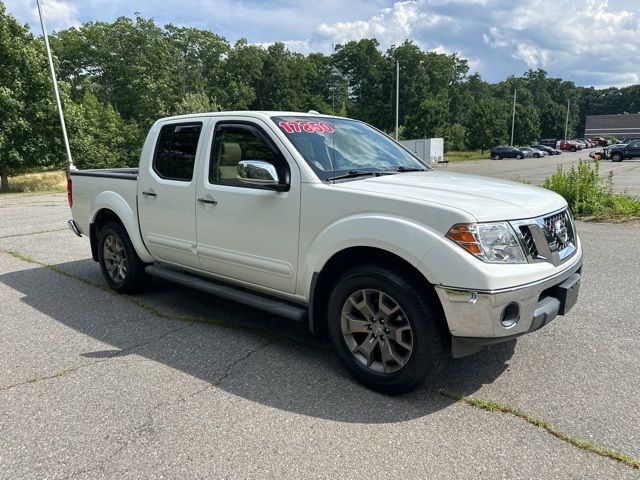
[{"x": 267, "y": 304}]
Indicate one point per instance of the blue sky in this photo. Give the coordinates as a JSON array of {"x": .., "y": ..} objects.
[{"x": 591, "y": 42}]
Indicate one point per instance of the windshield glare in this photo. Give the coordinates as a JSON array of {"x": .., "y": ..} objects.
[{"x": 336, "y": 146}]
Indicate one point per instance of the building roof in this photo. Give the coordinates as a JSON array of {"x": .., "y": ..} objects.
[{"x": 621, "y": 125}]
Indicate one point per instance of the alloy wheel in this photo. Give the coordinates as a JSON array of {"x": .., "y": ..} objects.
[
  {"x": 377, "y": 331},
  {"x": 115, "y": 258}
]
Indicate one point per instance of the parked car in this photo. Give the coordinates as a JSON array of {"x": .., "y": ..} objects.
[
  {"x": 606, "y": 150},
  {"x": 550, "y": 142},
  {"x": 503, "y": 151},
  {"x": 545, "y": 148},
  {"x": 564, "y": 145},
  {"x": 569, "y": 145},
  {"x": 533, "y": 152},
  {"x": 618, "y": 153},
  {"x": 582, "y": 143},
  {"x": 326, "y": 220}
]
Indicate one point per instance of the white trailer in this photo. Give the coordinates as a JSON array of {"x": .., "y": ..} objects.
[{"x": 430, "y": 150}]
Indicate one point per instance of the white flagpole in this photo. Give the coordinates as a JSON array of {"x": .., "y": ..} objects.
[
  {"x": 397, "y": 94},
  {"x": 513, "y": 117},
  {"x": 70, "y": 165}
]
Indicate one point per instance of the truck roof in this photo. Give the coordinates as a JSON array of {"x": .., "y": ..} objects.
[{"x": 264, "y": 114}]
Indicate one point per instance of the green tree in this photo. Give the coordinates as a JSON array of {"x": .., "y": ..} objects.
[
  {"x": 28, "y": 125},
  {"x": 99, "y": 137},
  {"x": 129, "y": 64},
  {"x": 369, "y": 75},
  {"x": 486, "y": 125},
  {"x": 527, "y": 125},
  {"x": 431, "y": 118},
  {"x": 195, "y": 103}
]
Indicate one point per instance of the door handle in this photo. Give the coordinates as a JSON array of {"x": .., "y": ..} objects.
[
  {"x": 149, "y": 193},
  {"x": 207, "y": 201}
]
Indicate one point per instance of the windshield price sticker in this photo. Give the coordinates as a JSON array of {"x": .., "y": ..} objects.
[{"x": 308, "y": 127}]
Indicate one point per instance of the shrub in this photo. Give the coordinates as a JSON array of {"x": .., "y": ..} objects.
[{"x": 589, "y": 194}]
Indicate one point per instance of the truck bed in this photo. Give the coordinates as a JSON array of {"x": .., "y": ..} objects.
[{"x": 129, "y": 173}]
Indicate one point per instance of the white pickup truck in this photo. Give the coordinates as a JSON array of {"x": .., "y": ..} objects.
[{"x": 329, "y": 221}]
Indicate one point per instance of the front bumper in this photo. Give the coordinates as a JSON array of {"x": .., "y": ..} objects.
[{"x": 483, "y": 317}]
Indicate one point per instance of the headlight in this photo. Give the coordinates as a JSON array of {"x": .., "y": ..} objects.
[{"x": 490, "y": 242}]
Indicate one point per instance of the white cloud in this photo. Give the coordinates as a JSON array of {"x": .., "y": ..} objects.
[
  {"x": 391, "y": 26},
  {"x": 57, "y": 14}
]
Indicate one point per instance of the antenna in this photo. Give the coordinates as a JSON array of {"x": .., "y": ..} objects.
[{"x": 70, "y": 165}]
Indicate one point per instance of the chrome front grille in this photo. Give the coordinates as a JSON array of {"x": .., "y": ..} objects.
[
  {"x": 550, "y": 238},
  {"x": 550, "y": 223},
  {"x": 529, "y": 244}
]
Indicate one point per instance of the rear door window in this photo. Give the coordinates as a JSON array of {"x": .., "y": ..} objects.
[{"x": 176, "y": 151}]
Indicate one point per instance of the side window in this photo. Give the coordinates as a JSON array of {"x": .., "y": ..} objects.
[
  {"x": 176, "y": 151},
  {"x": 635, "y": 144},
  {"x": 234, "y": 143}
]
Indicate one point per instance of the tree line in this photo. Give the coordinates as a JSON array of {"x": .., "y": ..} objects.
[{"x": 117, "y": 78}]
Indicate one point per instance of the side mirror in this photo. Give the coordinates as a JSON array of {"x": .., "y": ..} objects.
[{"x": 257, "y": 172}]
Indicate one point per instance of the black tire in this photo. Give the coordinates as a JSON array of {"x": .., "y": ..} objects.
[
  {"x": 519, "y": 157},
  {"x": 536, "y": 155},
  {"x": 418, "y": 308},
  {"x": 616, "y": 157},
  {"x": 573, "y": 150},
  {"x": 497, "y": 157},
  {"x": 130, "y": 279}
]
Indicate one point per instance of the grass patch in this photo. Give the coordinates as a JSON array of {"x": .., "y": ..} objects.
[
  {"x": 39, "y": 182},
  {"x": 466, "y": 155},
  {"x": 590, "y": 195},
  {"x": 493, "y": 406}
]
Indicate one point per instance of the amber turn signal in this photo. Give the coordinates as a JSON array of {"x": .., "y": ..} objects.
[{"x": 465, "y": 236}]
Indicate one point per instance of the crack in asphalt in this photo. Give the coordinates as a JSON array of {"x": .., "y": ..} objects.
[
  {"x": 580, "y": 443},
  {"x": 32, "y": 233},
  {"x": 487, "y": 405},
  {"x": 119, "y": 353},
  {"x": 217, "y": 381},
  {"x": 133, "y": 436}
]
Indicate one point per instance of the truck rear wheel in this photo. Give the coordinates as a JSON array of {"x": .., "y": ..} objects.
[
  {"x": 385, "y": 330},
  {"x": 616, "y": 157},
  {"x": 121, "y": 267}
]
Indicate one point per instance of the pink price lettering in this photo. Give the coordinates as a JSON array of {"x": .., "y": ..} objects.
[{"x": 308, "y": 127}]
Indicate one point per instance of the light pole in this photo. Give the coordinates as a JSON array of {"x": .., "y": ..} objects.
[
  {"x": 513, "y": 116},
  {"x": 70, "y": 165},
  {"x": 397, "y": 94},
  {"x": 566, "y": 122}
]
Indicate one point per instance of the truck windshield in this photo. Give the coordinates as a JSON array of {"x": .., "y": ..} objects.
[{"x": 339, "y": 147}]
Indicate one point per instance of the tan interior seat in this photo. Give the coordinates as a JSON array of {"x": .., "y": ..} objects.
[{"x": 230, "y": 156}]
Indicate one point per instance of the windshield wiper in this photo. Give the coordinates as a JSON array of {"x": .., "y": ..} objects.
[
  {"x": 358, "y": 173},
  {"x": 402, "y": 168}
]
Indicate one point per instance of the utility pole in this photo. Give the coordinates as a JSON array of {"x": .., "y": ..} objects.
[
  {"x": 397, "y": 94},
  {"x": 70, "y": 165},
  {"x": 566, "y": 123},
  {"x": 513, "y": 116}
]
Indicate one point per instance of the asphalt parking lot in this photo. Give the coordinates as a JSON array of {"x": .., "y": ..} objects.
[
  {"x": 175, "y": 383},
  {"x": 626, "y": 174}
]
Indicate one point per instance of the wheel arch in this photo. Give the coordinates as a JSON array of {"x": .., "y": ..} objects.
[
  {"x": 111, "y": 207},
  {"x": 341, "y": 261}
]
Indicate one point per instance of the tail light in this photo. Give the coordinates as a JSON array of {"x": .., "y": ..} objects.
[{"x": 69, "y": 192}]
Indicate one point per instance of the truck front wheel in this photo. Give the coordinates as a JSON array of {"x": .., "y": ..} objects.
[
  {"x": 385, "y": 329},
  {"x": 121, "y": 267}
]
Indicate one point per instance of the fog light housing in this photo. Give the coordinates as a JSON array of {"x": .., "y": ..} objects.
[{"x": 510, "y": 315}]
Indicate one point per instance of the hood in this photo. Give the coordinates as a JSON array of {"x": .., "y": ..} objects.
[{"x": 486, "y": 198}]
